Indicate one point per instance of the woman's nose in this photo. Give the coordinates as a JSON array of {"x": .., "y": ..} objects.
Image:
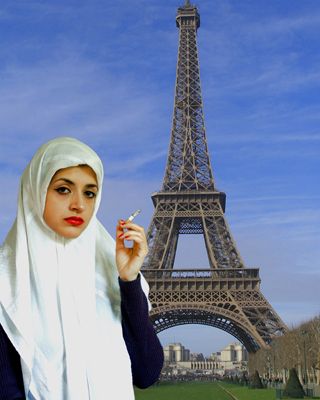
[{"x": 77, "y": 203}]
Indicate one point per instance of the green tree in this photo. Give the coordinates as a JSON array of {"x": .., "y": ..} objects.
[
  {"x": 256, "y": 381},
  {"x": 293, "y": 387}
]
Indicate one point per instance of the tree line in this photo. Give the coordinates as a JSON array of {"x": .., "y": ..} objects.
[{"x": 299, "y": 348}]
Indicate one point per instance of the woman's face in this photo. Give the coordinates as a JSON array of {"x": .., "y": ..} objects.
[{"x": 70, "y": 200}]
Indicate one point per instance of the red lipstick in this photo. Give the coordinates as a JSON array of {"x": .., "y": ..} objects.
[{"x": 76, "y": 221}]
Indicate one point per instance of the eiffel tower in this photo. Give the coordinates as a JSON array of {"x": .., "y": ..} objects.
[{"x": 227, "y": 295}]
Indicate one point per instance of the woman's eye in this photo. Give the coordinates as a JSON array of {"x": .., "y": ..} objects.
[
  {"x": 63, "y": 190},
  {"x": 90, "y": 194}
]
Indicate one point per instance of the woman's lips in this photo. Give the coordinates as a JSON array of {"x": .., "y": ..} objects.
[{"x": 74, "y": 221}]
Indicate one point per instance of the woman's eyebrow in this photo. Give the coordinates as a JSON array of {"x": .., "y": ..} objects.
[
  {"x": 64, "y": 180},
  {"x": 92, "y": 185},
  {"x": 89, "y": 185}
]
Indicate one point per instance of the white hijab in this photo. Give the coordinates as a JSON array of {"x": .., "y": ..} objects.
[{"x": 59, "y": 298}]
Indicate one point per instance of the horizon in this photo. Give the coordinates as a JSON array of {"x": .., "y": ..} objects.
[{"x": 105, "y": 74}]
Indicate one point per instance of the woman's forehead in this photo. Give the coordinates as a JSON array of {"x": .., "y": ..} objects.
[{"x": 83, "y": 173}]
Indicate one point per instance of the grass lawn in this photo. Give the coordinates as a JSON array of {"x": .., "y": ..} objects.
[
  {"x": 202, "y": 391},
  {"x": 183, "y": 391},
  {"x": 245, "y": 393}
]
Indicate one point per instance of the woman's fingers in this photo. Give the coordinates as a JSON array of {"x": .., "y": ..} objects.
[
  {"x": 130, "y": 231},
  {"x": 129, "y": 228},
  {"x": 138, "y": 239},
  {"x": 130, "y": 225}
]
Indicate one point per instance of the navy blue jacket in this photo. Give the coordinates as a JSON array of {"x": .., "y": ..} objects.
[{"x": 142, "y": 343}]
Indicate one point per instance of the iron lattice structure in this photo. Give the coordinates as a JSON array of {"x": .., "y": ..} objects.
[{"x": 227, "y": 295}]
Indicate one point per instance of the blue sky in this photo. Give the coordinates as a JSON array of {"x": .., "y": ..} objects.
[{"x": 104, "y": 71}]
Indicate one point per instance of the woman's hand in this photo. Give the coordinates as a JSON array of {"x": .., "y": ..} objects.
[{"x": 129, "y": 260}]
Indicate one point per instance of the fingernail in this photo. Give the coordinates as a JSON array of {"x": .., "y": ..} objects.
[
  {"x": 122, "y": 222},
  {"x": 120, "y": 236}
]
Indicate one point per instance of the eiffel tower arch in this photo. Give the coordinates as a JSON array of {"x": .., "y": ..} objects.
[{"x": 227, "y": 295}]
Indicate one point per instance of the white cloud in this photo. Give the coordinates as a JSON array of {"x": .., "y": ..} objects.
[
  {"x": 278, "y": 26},
  {"x": 74, "y": 97}
]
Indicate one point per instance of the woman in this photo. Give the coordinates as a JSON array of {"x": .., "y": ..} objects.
[{"x": 73, "y": 315}]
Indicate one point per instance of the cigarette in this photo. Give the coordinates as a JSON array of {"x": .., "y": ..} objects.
[{"x": 133, "y": 215}]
